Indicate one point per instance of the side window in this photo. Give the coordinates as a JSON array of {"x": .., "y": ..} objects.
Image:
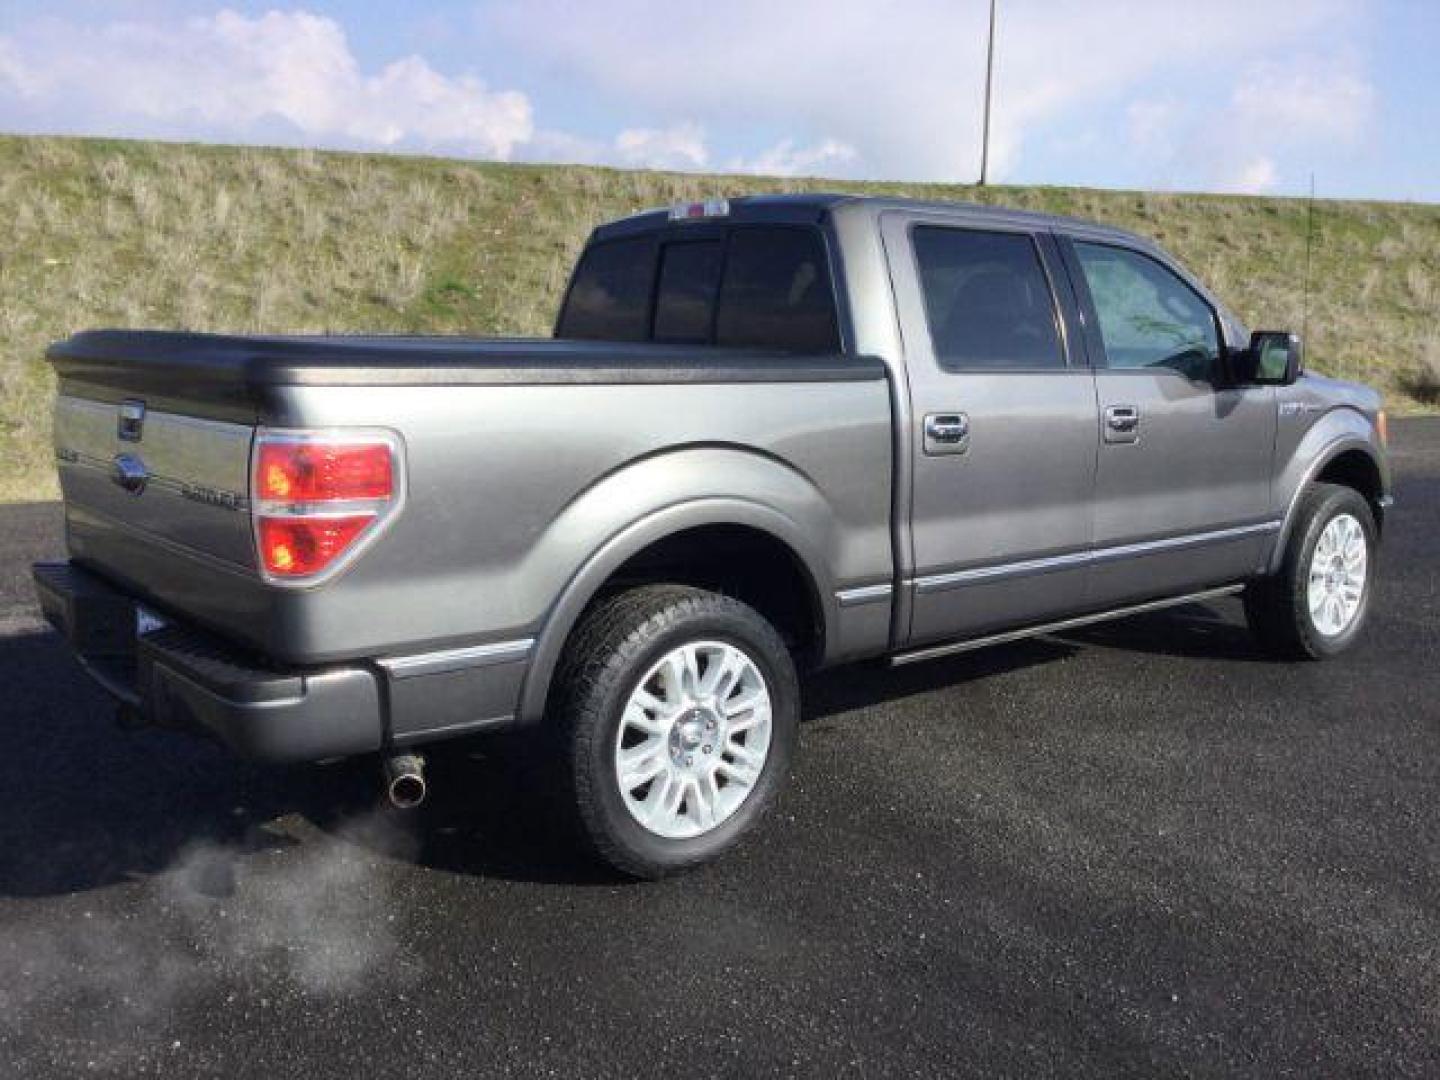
[
  {"x": 1149, "y": 317},
  {"x": 685, "y": 299},
  {"x": 609, "y": 299},
  {"x": 987, "y": 300},
  {"x": 776, "y": 292}
]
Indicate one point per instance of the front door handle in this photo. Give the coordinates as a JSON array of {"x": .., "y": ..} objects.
[
  {"x": 1122, "y": 423},
  {"x": 947, "y": 433}
]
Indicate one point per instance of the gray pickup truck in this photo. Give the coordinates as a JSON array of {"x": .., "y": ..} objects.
[{"x": 772, "y": 435}]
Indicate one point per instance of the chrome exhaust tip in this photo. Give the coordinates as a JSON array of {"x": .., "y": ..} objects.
[{"x": 405, "y": 780}]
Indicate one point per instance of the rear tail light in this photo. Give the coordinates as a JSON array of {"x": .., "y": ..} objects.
[
  {"x": 315, "y": 471},
  {"x": 318, "y": 497},
  {"x": 300, "y": 547}
]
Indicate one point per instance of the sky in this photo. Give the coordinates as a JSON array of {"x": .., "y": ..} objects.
[{"x": 1198, "y": 95}]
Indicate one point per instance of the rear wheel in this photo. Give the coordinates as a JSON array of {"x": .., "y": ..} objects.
[
  {"x": 1316, "y": 604},
  {"x": 677, "y": 715}
]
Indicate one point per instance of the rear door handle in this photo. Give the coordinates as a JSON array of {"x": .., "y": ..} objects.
[
  {"x": 1122, "y": 423},
  {"x": 947, "y": 433}
]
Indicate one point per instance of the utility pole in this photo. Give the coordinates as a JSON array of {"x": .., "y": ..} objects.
[{"x": 989, "y": 84}]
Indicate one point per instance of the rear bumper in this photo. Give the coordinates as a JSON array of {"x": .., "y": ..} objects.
[{"x": 179, "y": 678}]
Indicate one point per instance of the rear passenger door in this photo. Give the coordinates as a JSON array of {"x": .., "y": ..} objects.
[
  {"x": 1004, "y": 428},
  {"x": 1183, "y": 482}
]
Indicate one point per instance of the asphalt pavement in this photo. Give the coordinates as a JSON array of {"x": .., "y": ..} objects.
[{"x": 1140, "y": 849}]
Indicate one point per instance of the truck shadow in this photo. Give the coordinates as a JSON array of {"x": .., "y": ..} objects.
[
  {"x": 860, "y": 686},
  {"x": 1210, "y": 631},
  {"x": 85, "y": 805}
]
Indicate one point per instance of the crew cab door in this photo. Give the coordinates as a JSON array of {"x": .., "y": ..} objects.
[
  {"x": 1003, "y": 425},
  {"x": 1182, "y": 490}
]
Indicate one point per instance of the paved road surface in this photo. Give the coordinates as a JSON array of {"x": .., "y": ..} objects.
[{"x": 1140, "y": 849}]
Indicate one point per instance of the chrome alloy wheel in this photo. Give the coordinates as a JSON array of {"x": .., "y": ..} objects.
[
  {"x": 1337, "y": 575},
  {"x": 693, "y": 739}
]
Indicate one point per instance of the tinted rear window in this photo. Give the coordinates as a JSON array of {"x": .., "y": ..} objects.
[
  {"x": 610, "y": 297},
  {"x": 771, "y": 285},
  {"x": 987, "y": 300},
  {"x": 776, "y": 292},
  {"x": 685, "y": 300}
]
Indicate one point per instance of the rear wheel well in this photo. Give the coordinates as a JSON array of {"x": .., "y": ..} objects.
[
  {"x": 1356, "y": 469},
  {"x": 751, "y": 565}
]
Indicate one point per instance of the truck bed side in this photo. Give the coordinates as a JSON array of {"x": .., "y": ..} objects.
[{"x": 534, "y": 470}]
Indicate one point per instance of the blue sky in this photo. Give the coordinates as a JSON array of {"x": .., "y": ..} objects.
[{"x": 1219, "y": 95}]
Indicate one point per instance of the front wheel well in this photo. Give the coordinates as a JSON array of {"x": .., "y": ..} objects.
[
  {"x": 1356, "y": 469},
  {"x": 746, "y": 563}
]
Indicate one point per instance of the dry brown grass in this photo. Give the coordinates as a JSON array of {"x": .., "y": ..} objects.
[
  {"x": 105, "y": 233},
  {"x": 1423, "y": 383}
]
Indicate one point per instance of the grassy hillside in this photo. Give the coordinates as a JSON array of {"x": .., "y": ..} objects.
[{"x": 104, "y": 233}]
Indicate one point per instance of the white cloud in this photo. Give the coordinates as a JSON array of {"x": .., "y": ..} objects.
[
  {"x": 1151, "y": 125},
  {"x": 821, "y": 87},
  {"x": 902, "y": 90},
  {"x": 1255, "y": 177},
  {"x": 283, "y": 75},
  {"x": 681, "y": 147},
  {"x": 684, "y": 147},
  {"x": 825, "y": 158},
  {"x": 12, "y": 72},
  {"x": 817, "y": 71},
  {"x": 1303, "y": 100},
  {"x": 1276, "y": 112}
]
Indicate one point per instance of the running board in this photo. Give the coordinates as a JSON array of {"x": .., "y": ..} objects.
[{"x": 930, "y": 652}]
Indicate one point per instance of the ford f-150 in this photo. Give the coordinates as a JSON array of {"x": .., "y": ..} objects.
[{"x": 771, "y": 435}]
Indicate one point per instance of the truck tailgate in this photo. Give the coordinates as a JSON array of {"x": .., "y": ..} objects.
[{"x": 176, "y": 479}]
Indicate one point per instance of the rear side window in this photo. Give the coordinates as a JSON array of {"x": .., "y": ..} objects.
[
  {"x": 685, "y": 298},
  {"x": 987, "y": 300},
  {"x": 776, "y": 292},
  {"x": 610, "y": 297}
]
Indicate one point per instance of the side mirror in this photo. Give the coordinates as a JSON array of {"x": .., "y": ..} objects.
[{"x": 1274, "y": 358}]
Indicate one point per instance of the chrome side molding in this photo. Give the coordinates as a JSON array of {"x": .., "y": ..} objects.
[
  {"x": 958, "y": 578},
  {"x": 865, "y": 594},
  {"x": 447, "y": 660}
]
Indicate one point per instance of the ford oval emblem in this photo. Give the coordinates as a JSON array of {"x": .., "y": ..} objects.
[{"x": 129, "y": 472}]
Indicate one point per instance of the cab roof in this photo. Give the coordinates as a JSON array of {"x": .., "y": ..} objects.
[{"x": 811, "y": 208}]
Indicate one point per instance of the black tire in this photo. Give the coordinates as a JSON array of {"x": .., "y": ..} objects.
[
  {"x": 1277, "y": 607},
  {"x": 617, "y": 642}
]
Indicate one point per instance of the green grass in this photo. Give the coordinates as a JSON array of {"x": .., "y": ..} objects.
[{"x": 107, "y": 233}]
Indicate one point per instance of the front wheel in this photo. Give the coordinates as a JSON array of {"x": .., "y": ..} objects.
[
  {"x": 1316, "y": 604},
  {"x": 677, "y": 715}
]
